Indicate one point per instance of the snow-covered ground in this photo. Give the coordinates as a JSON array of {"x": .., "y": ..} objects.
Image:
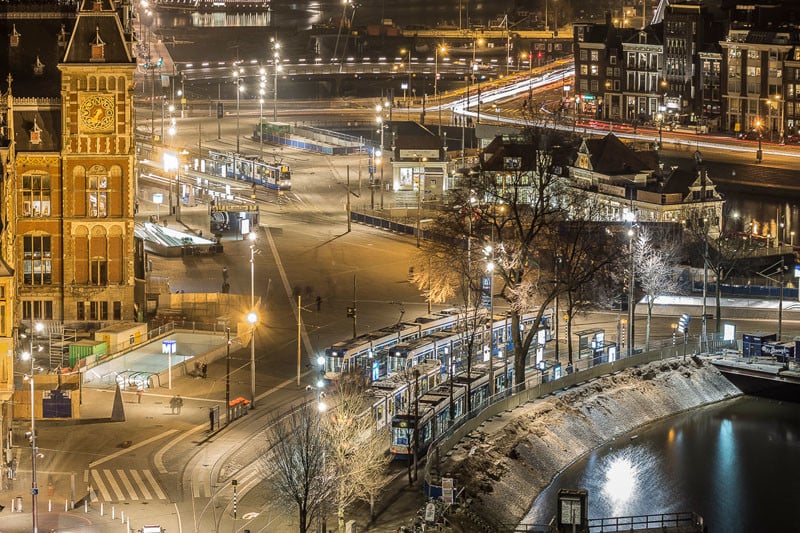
[{"x": 511, "y": 458}]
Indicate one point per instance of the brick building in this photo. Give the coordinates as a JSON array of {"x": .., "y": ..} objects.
[{"x": 68, "y": 189}]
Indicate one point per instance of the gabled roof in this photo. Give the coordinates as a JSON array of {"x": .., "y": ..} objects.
[
  {"x": 94, "y": 26},
  {"x": 46, "y": 121},
  {"x": 611, "y": 157},
  {"x": 414, "y": 136},
  {"x": 493, "y": 158}
]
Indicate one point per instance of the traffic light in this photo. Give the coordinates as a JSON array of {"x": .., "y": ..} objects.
[{"x": 351, "y": 312}]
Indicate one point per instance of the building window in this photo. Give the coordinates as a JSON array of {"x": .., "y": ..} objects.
[
  {"x": 97, "y": 191},
  {"x": 584, "y": 55},
  {"x": 37, "y": 310},
  {"x": 37, "y": 265},
  {"x": 584, "y": 70},
  {"x": 36, "y": 195},
  {"x": 594, "y": 70},
  {"x": 117, "y": 310},
  {"x": 612, "y": 60},
  {"x": 99, "y": 274},
  {"x": 98, "y": 310},
  {"x": 81, "y": 311},
  {"x": 595, "y": 55}
]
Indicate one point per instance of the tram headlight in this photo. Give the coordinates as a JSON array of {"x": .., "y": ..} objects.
[{"x": 320, "y": 360}]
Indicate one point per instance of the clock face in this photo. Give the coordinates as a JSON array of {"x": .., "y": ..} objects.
[{"x": 97, "y": 113}]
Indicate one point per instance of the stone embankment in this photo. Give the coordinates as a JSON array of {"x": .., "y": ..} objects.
[{"x": 506, "y": 463}]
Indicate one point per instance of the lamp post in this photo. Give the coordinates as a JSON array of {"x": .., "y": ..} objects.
[
  {"x": 227, "y": 376},
  {"x": 237, "y": 75},
  {"x": 262, "y": 84},
  {"x": 252, "y": 319},
  {"x": 759, "y": 153},
  {"x": 37, "y": 327},
  {"x": 276, "y": 46},
  {"x": 489, "y": 252},
  {"x": 439, "y": 49},
  {"x": 660, "y": 118},
  {"x": 631, "y": 283}
]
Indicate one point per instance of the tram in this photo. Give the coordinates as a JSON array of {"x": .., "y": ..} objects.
[
  {"x": 436, "y": 410},
  {"x": 250, "y": 169},
  {"x": 368, "y": 352}
]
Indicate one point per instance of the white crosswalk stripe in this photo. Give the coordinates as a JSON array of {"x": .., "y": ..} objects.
[
  {"x": 125, "y": 485},
  {"x": 201, "y": 489}
]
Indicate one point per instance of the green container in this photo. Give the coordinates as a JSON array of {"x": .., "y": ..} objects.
[{"x": 85, "y": 348}]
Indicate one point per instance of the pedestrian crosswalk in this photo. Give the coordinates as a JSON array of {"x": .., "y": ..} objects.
[{"x": 115, "y": 485}]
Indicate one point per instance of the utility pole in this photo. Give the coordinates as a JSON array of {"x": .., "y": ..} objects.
[
  {"x": 228, "y": 376},
  {"x": 355, "y": 307},
  {"x": 349, "y": 223},
  {"x": 299, "y": 332}
]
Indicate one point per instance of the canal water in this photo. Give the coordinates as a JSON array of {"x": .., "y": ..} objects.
[{"x": 735, "y": 463}]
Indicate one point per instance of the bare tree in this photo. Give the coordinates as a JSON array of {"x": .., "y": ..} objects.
[
  {"x": 586, "y": 262},
  {"x": 294, "y": 463},
  {"x": 655, "y": 259},
  {"x": 355, "y": 455}
]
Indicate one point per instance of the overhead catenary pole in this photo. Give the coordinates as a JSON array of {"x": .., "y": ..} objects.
[
  {"x": 355, "y": 307},
  {"x": 228, "y": 376},
  {"x": 349, "y": 223},
  {"x": 299, "y": 333}
]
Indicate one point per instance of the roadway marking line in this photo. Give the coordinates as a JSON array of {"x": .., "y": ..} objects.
[
  {"x": 159, "y": 493},
  {"x": 158, "y": 458},
  {"x": 127, "y": 483},
  {"x": 141, "y": 484},
  {"x": 114, "y": 484},
  {"x": 197, "y": 492},
  {"x": 130, "y": 449},
  {"x": 98, "y": 482}
]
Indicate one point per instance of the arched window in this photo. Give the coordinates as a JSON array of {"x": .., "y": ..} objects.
[{"x": 97, "y": 191}]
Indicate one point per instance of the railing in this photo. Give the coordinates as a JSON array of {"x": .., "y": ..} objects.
[{"x": 644, "y": 522}]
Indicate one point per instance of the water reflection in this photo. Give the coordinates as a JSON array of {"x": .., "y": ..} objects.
[{"x": 734, "y": 463}]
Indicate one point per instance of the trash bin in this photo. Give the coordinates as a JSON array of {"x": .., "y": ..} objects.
[{"x": 18, "y": 504}]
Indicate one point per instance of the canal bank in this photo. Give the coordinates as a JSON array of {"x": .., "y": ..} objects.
[{"x": 510, "y": 459}]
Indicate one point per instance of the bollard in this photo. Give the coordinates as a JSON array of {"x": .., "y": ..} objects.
[
  {"x": 66, "y": 506},
  {"x": 101, "y": 508},
  {"x": 122, "y": 517},
  {"x": 128, "y": 528},
  {"x": 19, "y": 504},
  {"x": 49, "y": 506},
  {"x": 113, "y": 513},
  {"x": 85, "y": 506}
]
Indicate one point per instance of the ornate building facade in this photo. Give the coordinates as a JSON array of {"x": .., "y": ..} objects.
[{"x": 68, "y": 194}]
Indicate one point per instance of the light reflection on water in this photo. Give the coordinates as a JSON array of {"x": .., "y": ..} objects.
[{"x": 734, "y": 463}]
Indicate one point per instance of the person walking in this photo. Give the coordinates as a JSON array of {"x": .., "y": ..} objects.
[
  {"x": 139, "y": 394},
  {"x": 319, "y": 303},
  {"x": 179, "y": 403},
  {"x": 173, "y": 403},
  {"x": 204, "y": 370}
]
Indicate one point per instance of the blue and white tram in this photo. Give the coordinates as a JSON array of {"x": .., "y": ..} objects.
[
  {"x": 249, "y": 168},
  {"x": 395, "y": 393},
  {"x": 367, "y": 352},
  {"x": 431, "y": 415}
]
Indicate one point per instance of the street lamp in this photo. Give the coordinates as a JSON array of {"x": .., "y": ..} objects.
[
  {"x": 237, "y": 75},
  {"x": 439, "y": 50},
  {"x": 759, "y": 153},
  {"x": 276, "y": 46},
  {"x": 37, "y": 327},
  {"x": 631, "y": 279},
  {"x": 252, "y": 319},
  {"x": 262, "y": 84},
  {"x": 489, "y": 253}
]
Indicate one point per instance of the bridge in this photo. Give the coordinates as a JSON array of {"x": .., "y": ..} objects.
[{"x": 761, "y": 376}]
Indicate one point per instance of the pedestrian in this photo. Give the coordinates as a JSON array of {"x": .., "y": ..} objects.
[
  {"x": 319, "y": 303},
  {"x": 139, "y": 394},
  {"x": 225, "y": 273},
  {"x": 204, "y": 370},
  {"x": 179, "y": 403},
  {"x": 173, "y": 403}
]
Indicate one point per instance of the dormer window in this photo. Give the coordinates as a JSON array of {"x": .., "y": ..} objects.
[
  {"x": 512, "y": 163},
  {"x": 13, "y": 40},
  {"x": 38, "y": 67},
  {"x": 98, "y": 47},
  {"x": 36, "y": 133},
  {"x": 98, "y": 5}
]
